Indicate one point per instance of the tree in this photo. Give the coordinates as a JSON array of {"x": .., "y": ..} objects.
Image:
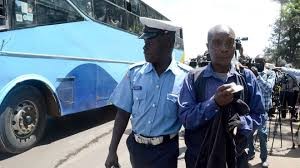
[{"x": 285, "y": 40}]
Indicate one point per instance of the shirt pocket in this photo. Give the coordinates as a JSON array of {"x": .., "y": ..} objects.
[
  {"x": 172, "y": 105},
  {"x": 138, "y": 106}
]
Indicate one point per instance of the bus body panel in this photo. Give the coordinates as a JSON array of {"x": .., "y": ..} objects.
[
  {"x": 7, "y": 86},
  {"x": 79, "y": 85}
]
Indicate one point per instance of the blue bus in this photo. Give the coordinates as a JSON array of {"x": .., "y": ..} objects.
[{"x": 60, "y": 57}]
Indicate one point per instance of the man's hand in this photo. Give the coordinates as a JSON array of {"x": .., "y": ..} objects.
[
  {"x": 254, "y": 70},
  {"x": 224, "y": 94},
  {"x": 112, "y": 160},
  {"x": 240, "y": 66}
]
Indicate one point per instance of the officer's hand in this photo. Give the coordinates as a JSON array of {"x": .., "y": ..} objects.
[
  {"x": 254, "y": 70},
  {"x": 112, "y": 160},
  {"x": 224, "y": 95}
]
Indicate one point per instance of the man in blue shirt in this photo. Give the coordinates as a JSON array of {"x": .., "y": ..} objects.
[
  {"x": 217, "y": 94},
  {"x": 266, "y": 80},
  {"x": 148, "y": 94}
]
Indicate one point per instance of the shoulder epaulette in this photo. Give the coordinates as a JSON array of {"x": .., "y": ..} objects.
[{"x": 141, "y": 63}]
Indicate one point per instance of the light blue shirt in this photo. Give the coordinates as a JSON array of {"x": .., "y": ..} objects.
[
  {"x": 266, "y": 82},
  {"x": 151, "y": 99}
]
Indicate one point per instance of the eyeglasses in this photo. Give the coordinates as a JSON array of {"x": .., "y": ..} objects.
[{"x": 219, "y": 43}]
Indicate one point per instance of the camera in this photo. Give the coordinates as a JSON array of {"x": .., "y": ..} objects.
[
  {"x": 193, "y": 63},
  {"x": 203, "y": 60},
  {"x": 238, "y": 42}
]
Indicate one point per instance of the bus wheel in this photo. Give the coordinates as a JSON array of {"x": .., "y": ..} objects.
[{"x": 22, "y": 119}]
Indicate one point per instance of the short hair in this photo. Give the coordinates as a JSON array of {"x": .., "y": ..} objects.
[{"x": 218, "y": 29}]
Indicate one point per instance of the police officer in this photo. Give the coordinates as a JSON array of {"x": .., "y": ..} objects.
[{"x": 148, "y": 93}]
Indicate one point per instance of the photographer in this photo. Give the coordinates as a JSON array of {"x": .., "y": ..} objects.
[
  {"x": 266, "y": 81},
  {"x": 290, "y": 90}
]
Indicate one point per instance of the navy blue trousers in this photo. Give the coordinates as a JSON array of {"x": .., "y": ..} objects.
[
  {"x": 190, "y": 160},
  {"x": 149, "y": 156}
]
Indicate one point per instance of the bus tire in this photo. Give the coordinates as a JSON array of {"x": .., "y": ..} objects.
[{"x": 22, "y": 119}]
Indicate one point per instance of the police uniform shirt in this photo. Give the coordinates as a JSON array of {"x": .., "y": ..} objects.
[{"x": 151, "y": 99}]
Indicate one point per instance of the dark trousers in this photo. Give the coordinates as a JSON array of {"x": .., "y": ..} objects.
[
  {"x": 290, "y": 99},
  {"x": 242, "y": 161},
  {"x": 153, "y": 156},
  {"x": 190, "y": 160}
]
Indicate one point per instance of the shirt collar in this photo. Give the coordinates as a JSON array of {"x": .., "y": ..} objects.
[
  {"x": 210, "y": 72},
  {"x": 172, "y": 67}
]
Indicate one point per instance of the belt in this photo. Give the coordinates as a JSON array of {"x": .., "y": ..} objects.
[{"x": 153, "y": 140}]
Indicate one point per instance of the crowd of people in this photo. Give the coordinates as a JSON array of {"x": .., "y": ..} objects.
[{"x": 220, "y": 105}]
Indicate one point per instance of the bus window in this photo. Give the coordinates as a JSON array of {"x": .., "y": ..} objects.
[
  {"x": 24, "y": 13},
  {"x": 144, "y": 11},
  {"x": 100, "y": 10},
  {"x": 55, "y": 12},
  {"x": 116, "y": 16},
  {"x": 178, "y": 43},
  {"x": 3, "y": 15},
  {"x": 2, "y": 8},
  {"x": 135, "y": 6},
  {"x": 128, "y": 5},
  {"x": 120, "y": 3},
  {"x": 134, "y": 24},
  {"x": 110, "y": 14},
  {"x": 85, "y": 6},
  {"x": 112, "y": 1}
]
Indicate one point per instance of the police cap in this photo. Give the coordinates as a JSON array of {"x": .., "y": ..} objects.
[{"x": 155, "y": 27}]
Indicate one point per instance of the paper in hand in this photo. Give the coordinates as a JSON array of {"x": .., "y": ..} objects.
[{"x": 236, "y": 88}]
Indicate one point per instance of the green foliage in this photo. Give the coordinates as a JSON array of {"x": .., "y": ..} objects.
[{"x": 285, "y": 40}]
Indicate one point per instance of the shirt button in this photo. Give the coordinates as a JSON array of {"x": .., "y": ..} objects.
[
  {"x": 149, "y": 122},
  {"x": 157, "y": 86},
  {"x": 216, "y": 110},
  {"x": 153, "y": 105}
]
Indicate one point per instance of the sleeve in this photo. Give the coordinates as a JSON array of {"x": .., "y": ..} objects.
[
  {"x": 251, "y": 122},
  {"x": 122, "y": 90},
  {"x": 291, "y": 71},
  {"x": 191, "y": 113},
  {"x": 268, "y": 84}
]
